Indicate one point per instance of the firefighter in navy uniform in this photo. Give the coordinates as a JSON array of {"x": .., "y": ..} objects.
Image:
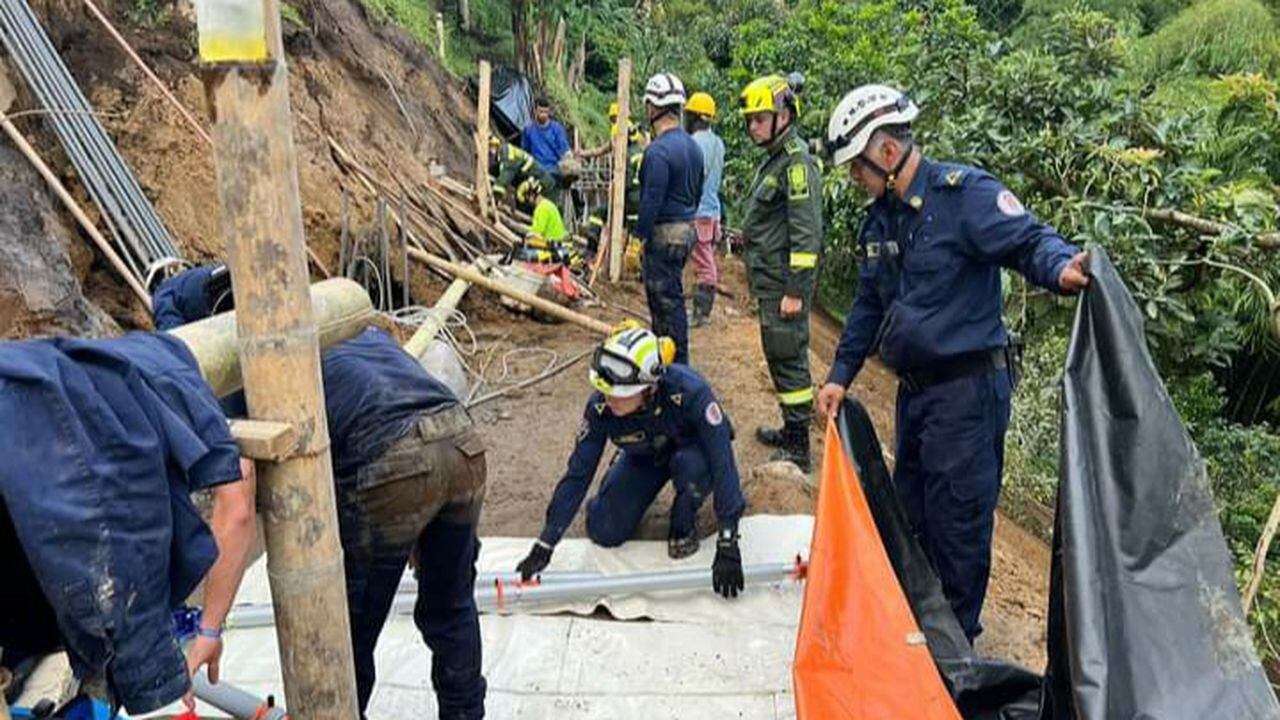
[
  {"x": 668, "y": 426},
  {"x": 932, "y": 247}
]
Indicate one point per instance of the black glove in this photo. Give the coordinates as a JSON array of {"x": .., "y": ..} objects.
[
  {"x": 537, "y": 560},
  {"x": 726, "y": 571}
]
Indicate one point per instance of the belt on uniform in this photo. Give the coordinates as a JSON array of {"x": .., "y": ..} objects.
[
  {"x": 444, "y": 422},
  {"x": 673, "y": 233},
  {"x": 954, "y": 368}
]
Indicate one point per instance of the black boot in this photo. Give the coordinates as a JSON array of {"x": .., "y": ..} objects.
[
  {"x": 704, "y": 296},
  {"x": 795, "y": 445},
  {"x": 771, "y": 436}
]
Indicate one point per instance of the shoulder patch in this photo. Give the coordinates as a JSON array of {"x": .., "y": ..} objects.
[
  {"x": 795, "y": 147},
  {"x": 798, "y": 179},
  {"x": 1009, "y": 204},
  {"x": 677, "y": 399},
  {"x": 600, "y": 408},
  {"x": 713, "y": 413},
  {"x": 954, "y": 177}
]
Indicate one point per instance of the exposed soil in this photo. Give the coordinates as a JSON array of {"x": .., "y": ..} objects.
[
  {"x": 342, "y": 69},
  {"x": 531, "y": 434}
]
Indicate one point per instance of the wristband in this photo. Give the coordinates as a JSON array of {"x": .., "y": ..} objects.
[{"x": 215, "y": 634}]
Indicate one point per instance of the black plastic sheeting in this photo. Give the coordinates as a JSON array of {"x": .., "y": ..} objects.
[
  {"x": 1144, "y": 618},
  {"x": 1145, "y": 621},
  {"x": 983, "y": 689},
  {"x": 512, "y": 103}
]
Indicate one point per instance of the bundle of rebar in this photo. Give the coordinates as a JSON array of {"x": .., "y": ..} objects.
[{"x": 139, "y": 233}]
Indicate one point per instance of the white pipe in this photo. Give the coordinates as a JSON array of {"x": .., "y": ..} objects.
[
  {"x": 501, "y": 591},
  {"x": 235, "y": 702}
]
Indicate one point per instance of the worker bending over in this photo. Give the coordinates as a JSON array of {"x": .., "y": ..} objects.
[
  {"x": 667, "y": 425},
  {"x": 931, "y": 251},
  {"x": 510, "y": 167},
  {"x": 547, "y": 240},
  {"x": 409, "y": 470}
]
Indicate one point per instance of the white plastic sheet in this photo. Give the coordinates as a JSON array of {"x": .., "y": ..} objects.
[{"x": 688, "y": 654}]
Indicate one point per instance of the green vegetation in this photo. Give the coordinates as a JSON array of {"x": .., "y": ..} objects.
[
  {"x": 292, "y": 15},
  {"x": 1095, "y": 112}
]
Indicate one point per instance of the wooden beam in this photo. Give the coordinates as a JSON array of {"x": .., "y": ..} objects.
[
  {"x": 483, "y": 196},
  {"x": 264, "y": 440},
  {"x": 476, "y": 278},
  {"x": 438, "y": 318},
  {"x": 260, "y": 217},
  {"x": 618, "y": 184}
]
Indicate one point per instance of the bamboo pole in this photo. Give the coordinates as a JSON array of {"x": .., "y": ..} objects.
[
  {"x": 76, "y": 211},
  {"x": 483, "y": 197},
  {"x": 447, "y": 303},
  {"x": 1260, "y": 556},
  {"x": 474, "y": 277},
  {"x": 618, "y": 185},
  {"x": 261, "y": 220}
]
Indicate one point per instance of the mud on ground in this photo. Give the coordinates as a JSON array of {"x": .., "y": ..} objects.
[{"x": 531, "y": 434}]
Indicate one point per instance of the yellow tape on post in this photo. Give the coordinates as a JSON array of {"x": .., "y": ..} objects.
[{"x": 232, "y": 31}]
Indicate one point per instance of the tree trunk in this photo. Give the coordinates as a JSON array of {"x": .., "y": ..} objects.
[{"x": 519, "y": 31}]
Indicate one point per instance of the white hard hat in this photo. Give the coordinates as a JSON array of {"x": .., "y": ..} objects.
[
  {"x": 664, "y": 90},
  {"x": 627, "y": 363},
  {"x": 861, "y": 113}
]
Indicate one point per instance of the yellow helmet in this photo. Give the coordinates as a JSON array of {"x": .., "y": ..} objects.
[
  {"x": 702, "y": 104},
  {"x": 613, "y": 110},
  {"x": 771, "y": 93},
  {"x": 495, "y": 142},
  {"x": 528, "y": 190}
]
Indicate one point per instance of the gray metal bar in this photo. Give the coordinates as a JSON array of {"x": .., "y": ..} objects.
[{"x": 235, "y": 702}]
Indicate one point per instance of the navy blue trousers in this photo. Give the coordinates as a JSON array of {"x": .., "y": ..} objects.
[
  {"x": 947, "y": 476},
  {"x": 631, "y": 484},
  {"x": 663, "y": 268}
]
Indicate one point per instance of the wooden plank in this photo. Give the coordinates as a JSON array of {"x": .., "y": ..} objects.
[
  {"x": 483, "y": 196},
  {"x": 476, "y": 278},
  {"x": 618, "y": 190},
  {"x": 264, "y": 439}
]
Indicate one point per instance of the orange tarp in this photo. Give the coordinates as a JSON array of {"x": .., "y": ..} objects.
[{"x": 859, "y": 654}]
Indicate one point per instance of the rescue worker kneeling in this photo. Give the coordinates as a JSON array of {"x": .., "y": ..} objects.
[
  {"x": 667, "y": 425},
  {"x": 547, "y": 241},
  {"x": 409, "y": 476}
]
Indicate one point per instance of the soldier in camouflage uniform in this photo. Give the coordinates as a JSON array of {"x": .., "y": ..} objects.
[{"x": 783, "y": 231}]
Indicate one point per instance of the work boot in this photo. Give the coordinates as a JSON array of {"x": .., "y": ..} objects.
[
  {"x": 771, "y": 436},
  {"x": 795, "y": 445},
  {"x": 682, "y": 547},
  {"x": 704, "y": 298}
]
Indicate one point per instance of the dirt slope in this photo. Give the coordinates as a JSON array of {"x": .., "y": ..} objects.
[{"x": 531, "y": 434}]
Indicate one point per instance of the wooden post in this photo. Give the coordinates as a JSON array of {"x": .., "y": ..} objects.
[
  {"x": 483, "y": 193},
  {"x": 440, "y": 33},
  {"x": 618, "y": 185},
  {"x": 260, "y": 218}
]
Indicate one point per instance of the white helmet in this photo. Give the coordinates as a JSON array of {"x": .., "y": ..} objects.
[
  {"x": 664, "y": 90},
  {"x": 861, "y": 113},
  {"x": 626, "y": 363}
]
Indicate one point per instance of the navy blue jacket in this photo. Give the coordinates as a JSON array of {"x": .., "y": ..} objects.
[
  {"x": 682, "y": 412},
  {"x": 182, "y": 299},
  {"x": 929, "y": 286},
  {"x": 374, "y": 391},
  {"x": 104, "y": 440},
  {"x": 670, "y": 181}
]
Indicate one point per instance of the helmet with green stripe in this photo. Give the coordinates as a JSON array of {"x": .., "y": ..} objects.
[{"x": 627, "y": 363}]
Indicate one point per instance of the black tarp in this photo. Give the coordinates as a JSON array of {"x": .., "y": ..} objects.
[
  {"x": 983, "y": 688},
  {"x": 1145, "y": 618},
  {"x": 512, "y": 102}
]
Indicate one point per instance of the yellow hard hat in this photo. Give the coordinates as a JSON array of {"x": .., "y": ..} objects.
[
  {"x": 767, "y": 94},
  {"x": 702, "y": 104},
  {"x": 528, "y": 190},
  {"x": 613, "y": 110}
]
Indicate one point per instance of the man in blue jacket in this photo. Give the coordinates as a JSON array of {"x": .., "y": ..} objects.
[
  {"x": 670, "y": 190},
  {"x": 667, "y": 424},
  {"x": 545, "y": 138},
  {"x": 932, "y": 248},
  {"x": 410, "y": 474}
]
